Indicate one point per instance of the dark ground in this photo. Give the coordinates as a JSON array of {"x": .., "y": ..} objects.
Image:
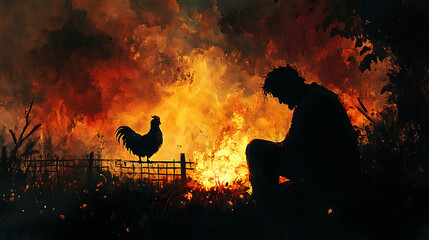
[{"x": 129, "y": 209}]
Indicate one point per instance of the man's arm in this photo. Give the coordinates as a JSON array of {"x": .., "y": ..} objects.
[{"x": 308, "y": 122}]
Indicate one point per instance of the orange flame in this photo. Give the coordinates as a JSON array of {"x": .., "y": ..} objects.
[{"x": 177, "y": 62}]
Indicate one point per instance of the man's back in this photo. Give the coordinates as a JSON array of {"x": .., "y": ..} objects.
[
  {"x": 319, "y": 155},
  {"x": 322, "y": 137}
]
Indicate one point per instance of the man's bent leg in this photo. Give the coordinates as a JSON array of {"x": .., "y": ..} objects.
[{"x": 262, "y": 156}]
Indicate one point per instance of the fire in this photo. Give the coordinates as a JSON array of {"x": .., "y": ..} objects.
[
  {"x": 197, "y": 69},
  {"x": 188, "y": 196},
  {"x": 283, "y": 179},
  {"x": 215, "y": 124},
  {"x": 225, "y": 161}
]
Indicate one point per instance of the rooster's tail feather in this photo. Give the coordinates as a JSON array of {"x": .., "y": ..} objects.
[{"x": 128, "y": 136}]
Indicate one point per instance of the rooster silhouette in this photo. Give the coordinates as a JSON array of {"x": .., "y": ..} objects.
[{"x": 141, "y": 146}]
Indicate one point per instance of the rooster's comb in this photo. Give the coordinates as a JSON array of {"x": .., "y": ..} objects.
[{"x": 156, "y": 117}]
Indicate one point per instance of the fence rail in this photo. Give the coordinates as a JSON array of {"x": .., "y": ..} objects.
[{"x": 159, "y": 171}]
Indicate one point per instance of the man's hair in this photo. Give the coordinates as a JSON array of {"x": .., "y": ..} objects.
[{"x": 281, "y": 78}]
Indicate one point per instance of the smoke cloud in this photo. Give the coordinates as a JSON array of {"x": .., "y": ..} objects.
[{"x": 92, "y": 66}]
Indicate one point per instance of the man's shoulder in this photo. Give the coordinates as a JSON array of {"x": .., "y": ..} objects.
[
  {"x": 319, "y": 94},
  {"x": 319, "y": 99},
  {"x": 317, "y": 90}
]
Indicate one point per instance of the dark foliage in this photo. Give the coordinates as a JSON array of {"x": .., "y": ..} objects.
[
  {"x": 114, "y": 208},
  {"x": 394, "y": 28},
  {"x": 395, "y": 143},
  {"x": 17, "y": 153}
]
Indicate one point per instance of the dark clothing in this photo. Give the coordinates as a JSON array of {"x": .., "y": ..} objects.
[
  {"x": 321, "y": 138},
  {"x": 320, "y": 149}
]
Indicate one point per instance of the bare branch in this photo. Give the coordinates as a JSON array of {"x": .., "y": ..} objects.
[
  {"x": 13, "y": 136},
  {"x": 22, "y": 139},
  {"x": 365, "y": 114},
  {"x": 363, "y": 106},
  {"x": 32, "y": 131},
  {"x": 27, "y": 115}
]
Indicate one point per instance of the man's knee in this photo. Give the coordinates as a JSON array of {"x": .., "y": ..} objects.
[
  {"x": 255, "y": 147},
  {"x": 254, "y": 155},
  {"x": 262, "y": 155}
]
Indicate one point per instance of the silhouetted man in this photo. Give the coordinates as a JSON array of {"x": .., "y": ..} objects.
[{"x": 319, "y": 152}]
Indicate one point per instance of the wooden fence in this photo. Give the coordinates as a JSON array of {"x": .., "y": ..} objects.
[{"x": 159, "y": 171}]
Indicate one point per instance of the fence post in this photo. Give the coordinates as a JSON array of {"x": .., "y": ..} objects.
[
  {"x": 183, "y": 166},
  {"x": 120, "y": 168},
  {"x": 133, "y": 171},
  {"x": 64, "y": 169},
  {"x": 148, "y": 172},
  {"x": 3, "y": 162},
  {"x": 158, "y": 180},
  {"x": 166, "y": 172},
  {"x": 57, "y": 170},
  {"x": 46, "y": 167},
  {"x": 174, "y": 169},
  {"x": 90, "y": 165}
]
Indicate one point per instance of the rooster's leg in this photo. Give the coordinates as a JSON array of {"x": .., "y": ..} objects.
[
  {"x": 140, "y": 159},
  {"x": 148, "y": 159}
]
